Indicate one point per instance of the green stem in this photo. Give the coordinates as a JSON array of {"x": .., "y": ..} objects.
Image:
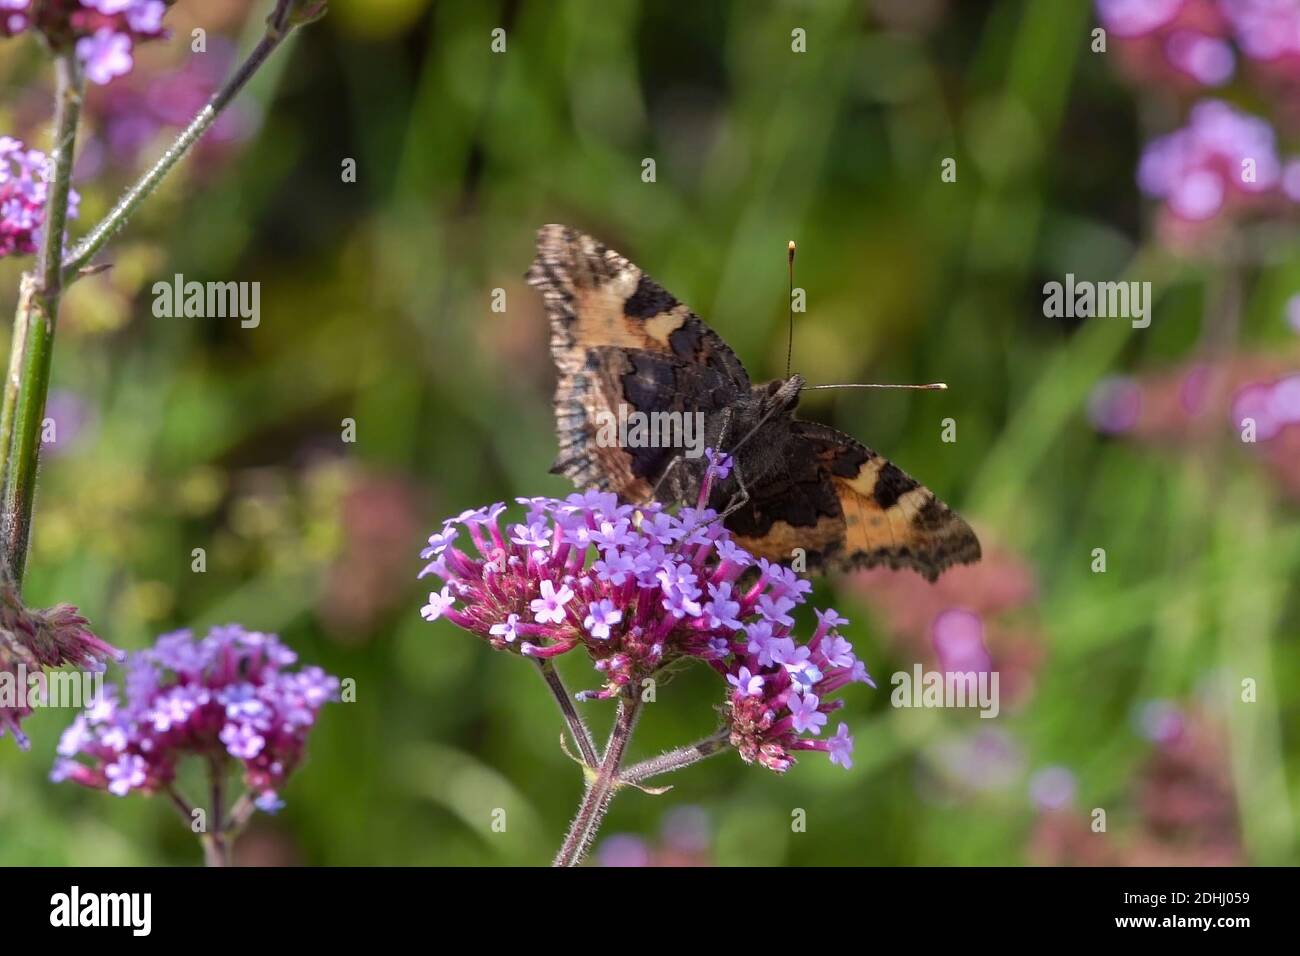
[
  {"x": 33, "y": 339},
  {"x": 217, "y": 842},
  {"x": 595, "y": 802},
  {"x": 577, "y": 726},
  {"x": 278, "y": 26},
  {"x": 13, "y": 380}
]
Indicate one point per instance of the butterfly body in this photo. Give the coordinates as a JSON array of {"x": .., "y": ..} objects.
[{"x": 624, "y": 346}]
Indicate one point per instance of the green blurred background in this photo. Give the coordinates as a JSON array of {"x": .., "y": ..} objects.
[{"x": 177, "y": 434}]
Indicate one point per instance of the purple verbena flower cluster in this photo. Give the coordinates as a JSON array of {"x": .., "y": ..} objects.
[
  {"x": 24, "y": 182},
  {"x": 104, "y": 31},
  {"x": 1223, "y": 160},
  {"x": 227, "y": 694},
  {"x": 780, "y": 688},
  {"x": 33, "y": 639},
  {"x": 638, "y": 588}
]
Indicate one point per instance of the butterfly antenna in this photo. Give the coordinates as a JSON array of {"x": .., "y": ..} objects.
[
  {"x": 789, "y": 345},
  {"x": 932, "y": 386}
]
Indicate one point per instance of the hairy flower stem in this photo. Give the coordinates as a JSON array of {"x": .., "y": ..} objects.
[
  {"x": 278, "y": 26},
  {"x": 217, "y": 849},
  {"x": 219, "y": 846},
  {"x": 219, "y": 841},
  {"x": 577, "y": 726},
  {"x": 677, "y": 759},
  {"x": 32, "y": 345},
  {"x": 216, "y": 845},
  {"x": 595, "y": 802}
]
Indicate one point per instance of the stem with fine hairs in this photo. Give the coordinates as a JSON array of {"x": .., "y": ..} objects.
[
  {"x": 577, "y": 726},
  {"x": 677, "y": 759},
  {"x": 600, "y": 791}
]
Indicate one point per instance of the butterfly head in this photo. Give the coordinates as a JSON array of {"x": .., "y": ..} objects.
[{"x": 783, "y": 394}]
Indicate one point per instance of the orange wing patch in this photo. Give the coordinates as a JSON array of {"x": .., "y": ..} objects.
[
  {"x": 782, "y": 538},
  {"x": 899, "y": 527},
  {"x": 596, "y": 298},
  {"x": 868, "y": 511}
]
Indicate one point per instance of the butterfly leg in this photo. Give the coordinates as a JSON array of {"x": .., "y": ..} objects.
[
  {"x": 738, "y": 500},
  {"x": 654, "y": 493}
]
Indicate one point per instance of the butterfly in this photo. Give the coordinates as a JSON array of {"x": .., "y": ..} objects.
[{"x": 624, "y": 346}]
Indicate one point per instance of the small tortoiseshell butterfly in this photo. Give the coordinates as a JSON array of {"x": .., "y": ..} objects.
[{"x": 622, "y": 342}]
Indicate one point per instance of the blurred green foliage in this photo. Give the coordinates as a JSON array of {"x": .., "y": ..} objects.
[{"x": 375, "y": 306}]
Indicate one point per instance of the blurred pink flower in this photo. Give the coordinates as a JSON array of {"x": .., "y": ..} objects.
[
  {"x": 1209, "y": 400},
  {"x": 686, "y": 838},
  {"x": 978, "y": 614},
  {"x": 1115, "y": 404},
  {"x": 377, "y": 514},
  {"x": 958, "y": 637},
  {"x": 1181, "y": 796},
  {"x": 1223, "y": 161},
  {"x": 133, "y": 113},
  {"x": 982, "y": 761},
  {"x": 1052, "y": 788},
  {"x": 1176, "y": 43},
  {"x": 1161, "y": 722},
  {"x": 104, "y": 32}
]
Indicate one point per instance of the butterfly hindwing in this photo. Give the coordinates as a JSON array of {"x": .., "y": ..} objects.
[{"x": 890, "y": 518}]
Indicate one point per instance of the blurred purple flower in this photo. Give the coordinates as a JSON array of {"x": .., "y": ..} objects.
[
  {"x": 686, "y": 829},
  {"x": 1178, "y": 42},
  {"x": 1222, "y": 157},
  {"x": 1254, "y": 403},
  {"x": 73, "y": 420},
  {"x": 1115, "y": 404},
  {"x": 984, "y": 761},
  {"x": 958, "y": 637},
  {"x": 1194, "y": 390},
  {"x": 623, "y": 850},
  {"x": 1052, "y": 788},
  {"x": 15, "y": 16},
  {"x": 1206, "y": 59},
  {"x": 686, "y": 836},
  {"x": 105, "y": 55},
  {"x": 1265, "y": 30},
  {"x": 105, "y": 31},
  {"x": 24, "y": 175},
  {"x": 225, "y": 695},
  {"x": 1131, "y": 18},
  {"x": 1161, "y": 721}
]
